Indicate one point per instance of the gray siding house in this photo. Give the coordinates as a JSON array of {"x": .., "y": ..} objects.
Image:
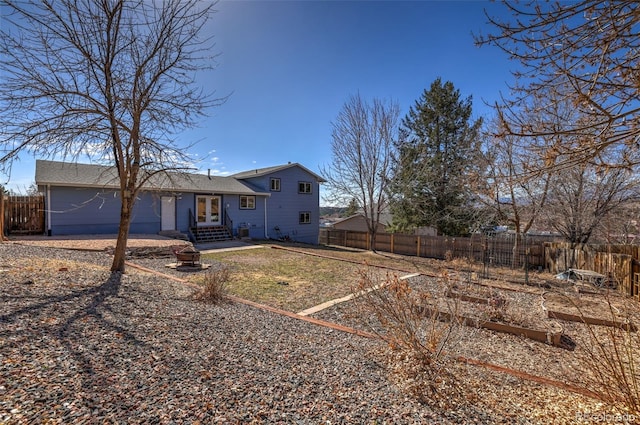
[{"x": 280, "y": 202}]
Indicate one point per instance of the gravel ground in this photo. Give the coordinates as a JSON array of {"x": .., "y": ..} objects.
[{"x": 78, "y": 345}]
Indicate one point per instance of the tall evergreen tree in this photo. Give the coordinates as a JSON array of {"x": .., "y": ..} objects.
[
  {"x": 352, "y": 208},
  {"x": 438, "y": 155}
]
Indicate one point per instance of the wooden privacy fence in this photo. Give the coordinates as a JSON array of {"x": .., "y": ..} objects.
[
  {"x": 22, "y": 214},
  {"x": 619, "y": 262},
  {"x": 499, "y": 250}
]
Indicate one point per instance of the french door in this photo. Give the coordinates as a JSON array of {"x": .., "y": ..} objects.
[{"x": 208, "y": 210}]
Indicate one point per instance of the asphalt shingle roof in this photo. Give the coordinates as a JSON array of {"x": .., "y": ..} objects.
[
  {"x": 58, "y": 173},
  {"x": 268, "y": 170}
]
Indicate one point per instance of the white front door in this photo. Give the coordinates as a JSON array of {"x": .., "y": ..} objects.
[
  {"x": 168, "y": 213},
  {"x": 208, "y": 210}
]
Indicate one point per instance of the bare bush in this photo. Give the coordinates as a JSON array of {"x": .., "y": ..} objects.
[
  {"x": 214, "y": 286},
  {"x": 421, "y": 338},
  {"x": 609, "y": 356}
]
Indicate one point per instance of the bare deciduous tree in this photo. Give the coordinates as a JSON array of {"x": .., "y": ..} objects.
[
  {"x": 591, "y": 48},
  {"x": 620, "y": 227},
  {"x": 515, "y": 195},
  {"x": 363, "y": 137},
  {"x": 582, "y": 197},
  {"x": 111, "y": 79}
]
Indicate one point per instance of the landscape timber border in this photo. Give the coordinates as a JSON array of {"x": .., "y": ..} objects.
[{"x": 474, "y": 362}]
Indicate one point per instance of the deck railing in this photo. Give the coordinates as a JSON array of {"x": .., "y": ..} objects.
[
  {"x": 228, "y": 222},
  {"x": 192, "y": 219}
]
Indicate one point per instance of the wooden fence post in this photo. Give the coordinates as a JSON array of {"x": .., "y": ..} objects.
[{"x": 2, "y": 207}]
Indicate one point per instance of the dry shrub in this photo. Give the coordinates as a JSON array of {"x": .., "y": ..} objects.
[
  {"x": 448, "y": 255},
  {"x": 421, "y": 339},
  {"x": 609, "y": 357},
  {"x": 496, "y": 308},
  {"x": 214, "y": 286}
]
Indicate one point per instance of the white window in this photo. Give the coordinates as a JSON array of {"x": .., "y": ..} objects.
[
  {"x": 304, "y": 187},
  {"x": 247, "y": 202},
  {"x": 305, "y": 217},
  {"x": 275, "y": 185}
]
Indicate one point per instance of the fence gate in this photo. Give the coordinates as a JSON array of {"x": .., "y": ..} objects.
[{"x": 24, "y": 214}]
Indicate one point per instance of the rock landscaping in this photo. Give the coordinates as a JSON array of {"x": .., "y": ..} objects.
[{"x": 79, "y": 344}]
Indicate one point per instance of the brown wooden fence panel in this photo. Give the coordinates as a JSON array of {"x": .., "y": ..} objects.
[
  {"x": 405, "y": 244},
  {"x": 357, "y": 240},
  {"x": 24, "y": 214},
  {"x": 3, "y": 215},
  {"x": 492, "y": 250},
  {"x": 384, "y": 242},
  {"x": 621, "y": 262},
  {"x": 634, "y": 290},
  {"x": 430, "y": 247},
  {"x": 615, "y": 261}
]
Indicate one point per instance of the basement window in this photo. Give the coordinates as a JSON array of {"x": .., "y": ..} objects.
[{"x": 305, "y": 217}]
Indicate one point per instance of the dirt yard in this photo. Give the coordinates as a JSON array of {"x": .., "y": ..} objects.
[{"x": 96, "y": 242}]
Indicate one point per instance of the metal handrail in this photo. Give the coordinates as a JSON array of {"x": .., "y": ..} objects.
[
  {"x": 228, "y": 222},
  {"x": 192, "y": 219}
]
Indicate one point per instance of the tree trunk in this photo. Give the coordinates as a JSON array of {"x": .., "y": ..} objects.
[
  {"x": 120, "y": 254},
  {"x": 514, "y": 251}
]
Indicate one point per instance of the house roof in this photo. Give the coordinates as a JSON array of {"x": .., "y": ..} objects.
[
  {"x": 259, "y": 172},
  {"x": 92, "y": 175},
  {"x": 385, "y": 218}
]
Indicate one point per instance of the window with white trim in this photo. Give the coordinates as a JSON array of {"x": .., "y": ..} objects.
[
  {"x": 305, "y": 217},
  {"x": 275, "y": 185},
  {"x": 247, "y": 202},
  {"x": 304, "y": 187}
]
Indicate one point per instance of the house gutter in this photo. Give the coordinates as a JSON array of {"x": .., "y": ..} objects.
[
  {"x": 48, "y": 208},
  {"x": 266, "y": 233}
]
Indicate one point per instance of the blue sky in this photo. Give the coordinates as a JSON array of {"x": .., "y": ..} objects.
[{"x": 290, "y": 66}]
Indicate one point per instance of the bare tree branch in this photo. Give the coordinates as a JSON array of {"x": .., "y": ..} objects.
[
  {"x": 587, "y": 51},
  {"x": 363, "y": 139},
  {"x": 109, "y": 79}
]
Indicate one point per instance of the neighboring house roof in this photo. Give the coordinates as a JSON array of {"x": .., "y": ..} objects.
[
  {"x": 384, "y": 220},
  {"x": 259, "y": 172},
  {"x": 57, "y": 173}
]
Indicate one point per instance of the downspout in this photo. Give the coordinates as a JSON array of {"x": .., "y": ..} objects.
[
  {"x": 266, "y": 233},
  {"x": 47, "y": 205}
]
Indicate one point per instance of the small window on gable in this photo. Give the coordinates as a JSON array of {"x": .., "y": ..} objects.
[
  {"x": 275, "y": 185},
  {"x": 247, "y": 202},
  {"x": 305, "y": 217},
  {"x": 304, "y": 187}
]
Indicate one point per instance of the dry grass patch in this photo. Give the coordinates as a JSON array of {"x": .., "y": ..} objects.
[{"x": 284, "y": 279}]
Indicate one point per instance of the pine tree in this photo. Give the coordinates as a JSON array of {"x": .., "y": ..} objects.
[
  {"x": 352, "y": 208},
  {"x": 438, "y": 153}
]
